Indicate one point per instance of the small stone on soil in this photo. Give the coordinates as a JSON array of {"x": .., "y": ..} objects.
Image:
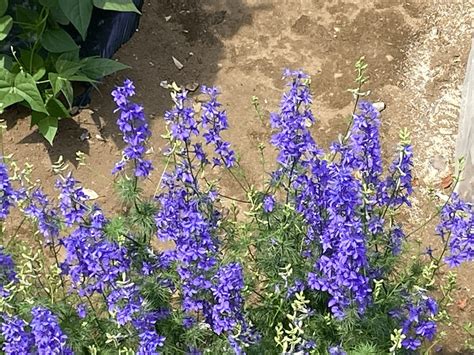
[
  {"x": 192, "y": 87},
  {"x": 85, "y": 136},
  {"x": 177, "y": 63},
  {"x": 379, "y": 106}
]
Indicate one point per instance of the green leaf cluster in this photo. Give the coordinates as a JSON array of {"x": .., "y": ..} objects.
[{"x": 40, "y": 75}]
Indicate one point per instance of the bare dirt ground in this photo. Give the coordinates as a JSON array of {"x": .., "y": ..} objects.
[{"x": 416, "y": 51}]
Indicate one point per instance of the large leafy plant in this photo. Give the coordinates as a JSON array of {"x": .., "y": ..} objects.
[{"x": 39, "y": 59}]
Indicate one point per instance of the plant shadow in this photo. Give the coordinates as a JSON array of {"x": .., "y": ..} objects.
[{"x": 192, "y": 31}]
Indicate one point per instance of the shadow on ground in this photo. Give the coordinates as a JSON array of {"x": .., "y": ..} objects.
[{"x": 189, "y": 30}]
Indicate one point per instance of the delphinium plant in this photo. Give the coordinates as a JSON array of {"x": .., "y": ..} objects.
[{"x": 316, "y": 264}]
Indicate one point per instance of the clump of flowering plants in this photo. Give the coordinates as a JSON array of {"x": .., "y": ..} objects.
[{"x": 317, "y": 264}]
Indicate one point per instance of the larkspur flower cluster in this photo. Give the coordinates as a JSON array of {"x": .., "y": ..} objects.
[
  {"x": 337, "y": 244},
  {"x": 149, "y": 339},
  {"x": 6, "y": 192},
  {"x": 134, "y": 127},
  {"x": 48, "y": 336},
  {"x": 363, "y": 153},
  {"x": 457, "y": 228},
  {"x": 396, "y": 189},
  {"x": 293, "y": 138},
  {"x": 42, "y": 336},
  {"x": 188, "y": 218},
  {"x": 17, "y": 339},
  {"x": 417, "y": 320},
  {"x": 227, "y": 311},
  {"x": 72, "y": 199},
  {"x": 214, "y": 122},
  {"x": 7, "y": 271},
  {"x": 39, "y": 208},
  {"x": 96, "y": 265},
  {"x": 340, "y": 269}
]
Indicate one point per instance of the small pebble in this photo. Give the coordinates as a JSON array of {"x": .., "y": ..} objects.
[
  {"x": 177, "y": 63},
  {"x": 192, "y": 87},
  {"x": 379, "y": 106},
  {"x": 85, "y": 136}
]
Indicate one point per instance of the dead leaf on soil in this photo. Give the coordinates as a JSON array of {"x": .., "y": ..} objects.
[
  {"x": 447, "y": 181},
  {"x": 177, "y": 63},
  {"x": 91, "y": 194},
  {"x": 462, "y": 303}
]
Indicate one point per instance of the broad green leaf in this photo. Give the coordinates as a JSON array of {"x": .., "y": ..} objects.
[
  {"x": 6, "y": 23},
  {"x": 56, "y": 82},
  {"x": 82, "y": 78},
  {"x": 59, "y": 16},
  {"x": 25, "y": 86},
  {"x": 26, "y": 18},
  {"x": 37, "y": 68},
  {"x": 8, "y": 98},
  {"x": 72, "y": 56},
  {"x": 117, "y": 5},
  {"x": 67, "y": 68},
  {"x": 58, "y": 41},
  {"x": 48, "y": 127},
  {"x": 3, "y": 7},
  {"x": 7, "y": 79},
  {"x": 36, "y": 117},
  {"x": 60, "y": 84},
  {"x": 96, "y": 68},
  {"x": 68, "y": 91},
  {"x": 6, "y": 61},
  {"x": 56, "y": 108},
  {"x": 79, "y": 13}
]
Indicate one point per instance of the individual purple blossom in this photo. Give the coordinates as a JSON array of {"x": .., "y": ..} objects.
[
  {"x": 193, "y": 351},
  {"x": 456, "y": 228},
  {"x": 134, "y": 127},
  {"x": 72, "y": 200},
  {"x": 397, "y": 237},
  {"x": 81, "y": 310},
  {"x": 298, "y": 286},
  {"x": 411, "y": 343},
  {"x": 189, "y": 322},
  {"x": 336, "y": 350},
  {"x": 268, "y": 203},
  {"x": 17, "y": 339},
  {"x": 6, "y": 192},
  {"x": 48, "y": 336}
]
